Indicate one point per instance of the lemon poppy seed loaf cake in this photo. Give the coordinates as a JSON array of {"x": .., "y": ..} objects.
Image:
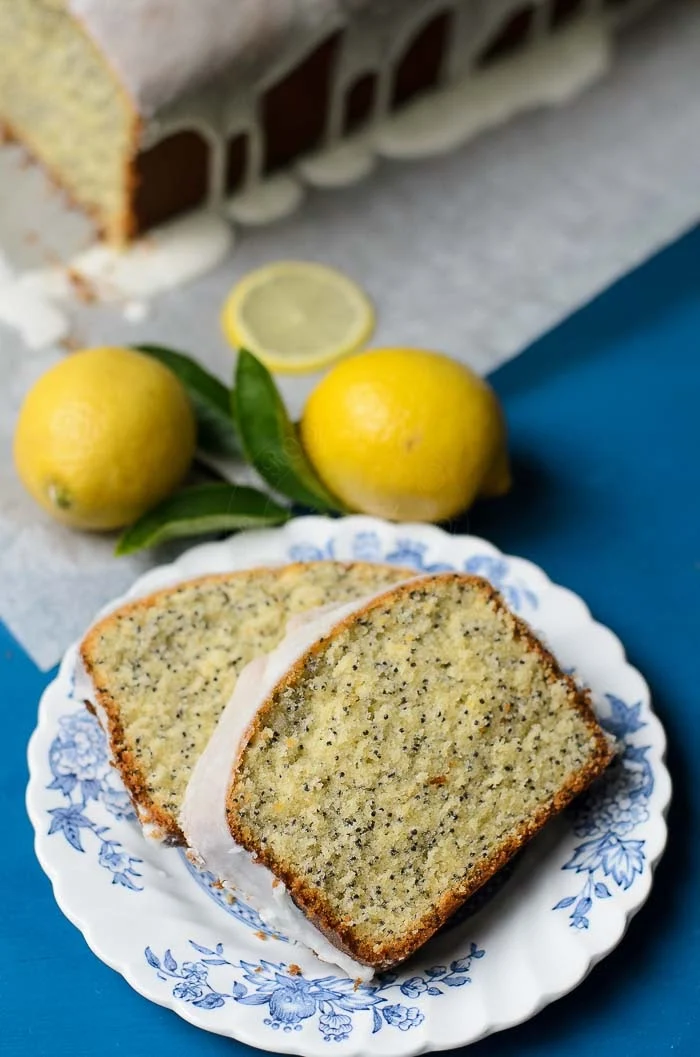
[
  {"x": 403, "y": 758},
  {"x": 147, "y": 108},
  {"x": 159, "y": 671}
]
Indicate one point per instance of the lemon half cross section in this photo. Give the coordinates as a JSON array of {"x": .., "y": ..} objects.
[{"x": 297, "y": 316}]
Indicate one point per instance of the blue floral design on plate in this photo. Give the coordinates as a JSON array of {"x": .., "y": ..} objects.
[
  {"x": 607, "y": 814},
  {"x": 309, "y": 552},
  {"x": 79, "y": 763},
  {"x": 368, "y": 546},
  {"x": 497, "y": 572},
  {"x": 232, "y": 905},
  {"x": 290, "y": 998},
  {"x": 82, "y": 775}
]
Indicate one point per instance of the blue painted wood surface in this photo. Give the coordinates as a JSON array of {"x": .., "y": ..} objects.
[{"x": 605, "y": 430}]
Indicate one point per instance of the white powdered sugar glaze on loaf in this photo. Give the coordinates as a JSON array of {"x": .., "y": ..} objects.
[
  {"x": 550, "y": 74},
  {"x": 204, "y": 40},
  {"x": 209, "y": 39},
  {"x": 222, "y": 56},
  {"x": 267, "y": 201},
  {"x": 247, "y": 42},
  {"x": 203, "y": 816},
  {"x": 35, "y": 302}
]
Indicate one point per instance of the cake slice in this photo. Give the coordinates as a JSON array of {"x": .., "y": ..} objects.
[
  {"x": 159, "y": 671},
  {"x": 400, "y": 760}
]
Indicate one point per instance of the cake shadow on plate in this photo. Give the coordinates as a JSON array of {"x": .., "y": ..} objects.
[{"x": 482, "y": 897}]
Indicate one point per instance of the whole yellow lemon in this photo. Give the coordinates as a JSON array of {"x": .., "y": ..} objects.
[
  {"x": 406, "y": 434},
  {"x": 103, "y": 436}
]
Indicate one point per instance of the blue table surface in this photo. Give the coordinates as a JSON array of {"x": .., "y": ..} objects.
[{"x": 605, "y": 433}]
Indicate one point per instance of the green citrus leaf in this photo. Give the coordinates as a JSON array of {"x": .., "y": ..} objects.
[
  {"x": 270, "y": 440},
  {"x": 199, "y": 510},
  {"x": 211, "y": 400}
]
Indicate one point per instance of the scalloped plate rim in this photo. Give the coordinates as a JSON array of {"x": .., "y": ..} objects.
[{"x": 134, "y": 974}]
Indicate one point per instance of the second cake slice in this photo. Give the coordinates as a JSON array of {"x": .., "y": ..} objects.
[{"x": 404, "y": 757}]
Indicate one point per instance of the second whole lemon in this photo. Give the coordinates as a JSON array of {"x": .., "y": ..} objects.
[
  {"x": 406, "y": 434},
  {"x": 102, "y": 436}
]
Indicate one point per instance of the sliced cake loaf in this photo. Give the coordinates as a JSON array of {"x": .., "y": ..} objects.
[
  {"x": 403, "y": 758},
  {"x": 115, "y": 97},
  {"x": 159, "y": 671}
]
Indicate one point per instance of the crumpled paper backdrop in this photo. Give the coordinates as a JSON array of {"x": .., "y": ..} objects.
[{"x": 476, "y": 253}]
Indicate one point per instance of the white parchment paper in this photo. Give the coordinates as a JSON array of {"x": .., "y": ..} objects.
[{"x": 475, "y": 253}]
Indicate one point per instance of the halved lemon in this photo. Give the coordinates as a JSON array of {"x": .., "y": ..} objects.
[{"x": 297, "y": 316}]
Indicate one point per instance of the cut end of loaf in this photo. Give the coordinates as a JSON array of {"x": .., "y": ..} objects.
[
  {"x": 405, "y": 758},
  {"x": 63, "y": 102}
]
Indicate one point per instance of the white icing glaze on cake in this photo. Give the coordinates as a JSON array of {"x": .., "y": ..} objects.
[
  {"x": 33, "y": 302},
  {"x": 221, "y": 56},
  {"x": 164, "y": 50},
  {"x": 340, "y": 166},
  {"x": 266, "y": 201},
  {"x": 29, "y": 310},
  {"x": 175, "y": 253},
  {"x": 548, "y": 74}
]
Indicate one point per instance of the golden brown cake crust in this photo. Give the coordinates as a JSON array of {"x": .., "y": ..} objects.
[
  {"x": 123, "y": 758},
  {"x": 312, "y": 902}
]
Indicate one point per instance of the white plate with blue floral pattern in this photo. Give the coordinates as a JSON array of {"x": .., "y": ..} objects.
[{"x": 531, "y": 938}]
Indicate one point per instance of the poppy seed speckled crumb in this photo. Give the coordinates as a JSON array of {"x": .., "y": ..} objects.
[
  {"x": 165, "y": 666},
  {"x": 405, "y": 757}
]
